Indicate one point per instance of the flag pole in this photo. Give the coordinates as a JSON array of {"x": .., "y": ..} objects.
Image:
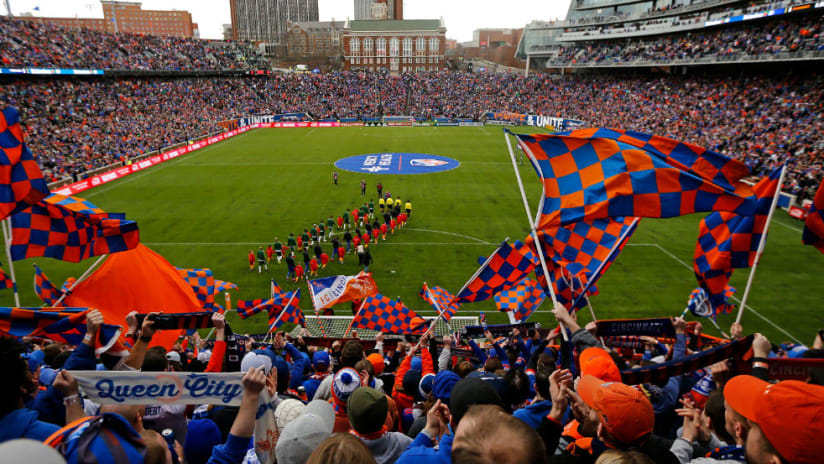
[
  {"x": 6, "y": 224},
  {"x": 428, "y": 330},
  {"x": 80, "y": 279},
  {"x": 352, "y": 322},
  {"x": 437, "y": 306},
  {"x": 315, "y": 305},
  {"x": 533, "y": 230},
  {"x": 761, "y": 245}
]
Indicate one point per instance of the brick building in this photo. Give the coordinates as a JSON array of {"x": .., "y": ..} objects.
[
  {"x": 396, "y": 46},
  {"x": 267, "y": 20},
  {"x": 314, "y": 39},
  {"x": 130, "y": 17}
]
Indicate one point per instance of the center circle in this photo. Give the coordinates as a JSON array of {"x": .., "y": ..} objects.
[{"x": 397, "y": 163}]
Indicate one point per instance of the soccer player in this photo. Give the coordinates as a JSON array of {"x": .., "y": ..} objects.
[
  {"x": 306, "y": 258},
  {"x": 340, "y": 222},
  {"x": 392, "y": 225},
  {"x": 398, "y": 203},
  {"x": 313, "y": 267},
  {"x": 291, "y": 242},
  {"x": 355, "y": 214},
  {"x": 321, "y": 232},
  {"x": 318, "y": 250},
  {"x": 380, "y": 189},
  {"x": 347, "y": 237},
  {"x": 371, "y": 206},
  {"x": 269, "y": 253},
  {"x": 314, "y": 232},
  {"x": 278, "y": 249},
  {"x": 346, "y": 218},
  {"x": 324, "y": 260},
  {"x": 381, "y": 204},
  {"x": 355, "y": 241},
  {"x": 290, "y": 265},
  {"x": 368, "y": 228},
  {"x": 261, "y": 257},
  {"x": 375, "y": 235},
  {"x": 335, "y": 177},
  {"x": 401, "y": 220},
  {"x": 298, "y": 272},
  {"x": 251, "y": 260},
  {"x": 330, "y": 225},
  {"x": 305, "y": 238},
  {"x": 383, "y": 230},
  {"x": 387, "y": 216},
  {"x": 408, "y": 208},
  {"x": 341, "y": 252},
  {"x": 363, "y": 187},
  {"x": 365, "y": 239},
  {"x": 299, "y": 244},
  {"x": 335, "y": 246}
]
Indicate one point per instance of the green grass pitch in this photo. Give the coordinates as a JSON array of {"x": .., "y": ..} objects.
[{"x": 209, "y": 208}]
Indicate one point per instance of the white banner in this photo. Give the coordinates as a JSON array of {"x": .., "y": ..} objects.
[{"x": 135, "y": 387}]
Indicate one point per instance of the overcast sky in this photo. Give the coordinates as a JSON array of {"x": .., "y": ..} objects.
[{"x": 461, "y": 16}]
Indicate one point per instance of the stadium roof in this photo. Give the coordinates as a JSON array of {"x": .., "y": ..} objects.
[{"x": 372, "y": 25}]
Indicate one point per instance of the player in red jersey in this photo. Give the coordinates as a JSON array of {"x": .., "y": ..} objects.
[
  {"x": 269, "y": 253},
  {"x": 355, "y": 243},
  {"x": 383, "y": 230},
  {"x": 300, "y": 243},
  {"x": 375, "y": 235},
  {"x": 313, "y": 267},
  {"x": 324, "y": 260},
  {"x": 251, "y": 260},
  {"x": 340, "y": 222},
  {"x": 298, "y": 272},
  {"x": 355, "y": 214},
  {"x": 392, "y": 225},
  {"x": 365, "y": 239},
  {"x": 341, "y": 252}
]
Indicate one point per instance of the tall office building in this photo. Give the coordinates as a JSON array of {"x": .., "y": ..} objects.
[
  {"x": 363, "y": 9},
  {"x": 266, "y": 20}
]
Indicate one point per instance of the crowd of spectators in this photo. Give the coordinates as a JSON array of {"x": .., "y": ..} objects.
[
  {"x": 73, "y": 126},
  {"x": 521, "y": 397},
  {"x": 26, "y": 43},
  {"x": 740, "y": 41}
]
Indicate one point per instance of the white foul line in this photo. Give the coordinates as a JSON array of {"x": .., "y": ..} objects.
[{"x": 734, "y": 298}]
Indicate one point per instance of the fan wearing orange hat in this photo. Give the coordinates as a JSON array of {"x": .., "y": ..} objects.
[{"x": 784, "y": 419}]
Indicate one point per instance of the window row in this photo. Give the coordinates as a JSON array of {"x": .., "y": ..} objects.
[
  {"x": 367, "y": 60},
  {"x": 394, "y": 45}
]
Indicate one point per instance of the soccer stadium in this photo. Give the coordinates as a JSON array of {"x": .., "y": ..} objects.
[{"x": 607, "y": 255}]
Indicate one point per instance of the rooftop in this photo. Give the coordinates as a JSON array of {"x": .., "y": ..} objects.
[{"x": 394, "y": 25}]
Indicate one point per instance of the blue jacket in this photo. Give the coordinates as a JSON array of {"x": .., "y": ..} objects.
[
  {"x": 49, "y": 404},
  {"x": 531, "y": 415},
  {"x": 23, "y": 423},
  {"x": 299, "y": 362},
  {"x": 422, "y": 451},
  {"x": 231, "y": 452}
]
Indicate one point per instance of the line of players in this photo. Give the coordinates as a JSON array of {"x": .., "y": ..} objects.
[{"x": 356, "y": 241}]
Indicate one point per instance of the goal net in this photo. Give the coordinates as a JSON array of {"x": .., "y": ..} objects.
[{"x": 335, "y": 326}]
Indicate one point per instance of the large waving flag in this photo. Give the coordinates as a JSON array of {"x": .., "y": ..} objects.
[
  {"x": 70, "y": 229},
  {"x": 289, "y": 312},
  {"x": 44, "y": 288},
  {"x": 21, "y": 182},
  {"x": 5, "y": 280},
  {"x": 596, "y": 173},
  {"x": 65, "y": 325},
  {"x": 504, "y": 268},
  {"x": 202, "y": 282},
  {"x": 329, "y": 291},
  {"x": 443, "y": 298},
  {"x": 814, "y": 224},
  {"x": 248, "y": 308},
  {"x": 522, "y": 299},
  {"x": 728, "y": 241},
  {"x": 387, "y": 316},
  {"x": 568, "y": 288}
]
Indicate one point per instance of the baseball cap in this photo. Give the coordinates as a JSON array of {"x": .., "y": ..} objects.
[
  {"x": 204, "y": 356},
  {"x": 366, "y": 409},
  {"x": 173, "y": 356},
  {"x": 304, "y": 434},
  {"x": 597, "y": 362},
  {"x": 320, "y": 358},
  {"x": 789, "y": 414},
  {"x": 287, "y": 411},
  {"x": 625, "y": 412},
  {"x": 255, "y": 360}
]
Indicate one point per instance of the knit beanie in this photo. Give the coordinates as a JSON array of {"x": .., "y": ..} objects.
[
  {"x": 201, "y": 437},
  {"x": 411, "y": 380},
  {"x": 343, "y": 384},
  {"x": 377, "y": 362},
  {"x": 366, "y": 409},
  {"x": 425, "y": 385},
  {"x": 443, "y": 384}
]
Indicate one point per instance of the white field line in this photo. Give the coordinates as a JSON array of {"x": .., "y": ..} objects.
[
  {"x": 750, "y": 308},
  {"x": 266, "y": 241}
]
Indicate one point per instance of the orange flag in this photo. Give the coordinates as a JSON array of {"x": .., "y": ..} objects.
[{"x": 140, "y": 280}]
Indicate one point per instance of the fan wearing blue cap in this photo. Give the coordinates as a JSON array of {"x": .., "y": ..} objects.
[
  {"x": 17, "y": 421},
  {"x": 321, "y": 363}
]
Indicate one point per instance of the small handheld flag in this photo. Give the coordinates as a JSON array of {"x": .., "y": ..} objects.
[
  {"x": 505, "y": 267},
  {"x": 43, "y": 287},
  {"x": 385, "y": 315},
  {"x": 443, "y": 298}
]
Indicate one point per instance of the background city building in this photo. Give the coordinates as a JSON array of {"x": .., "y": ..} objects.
[
  {"x": 267, "y": 21},
  {"x": 363, "y": 9},
  {"x": 393, "y": 45},
  {"x": 130, "y": 17}
]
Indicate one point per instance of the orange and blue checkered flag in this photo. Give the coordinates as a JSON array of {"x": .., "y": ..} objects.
[
  {"x": 5, "y": 280},
  {"x": 64, "y": 325},
  {"x": 814, "y": 224},
  {"x": 505, "y": 267},
  {"x": 597, "y": 173},
  {"x": 287, "y": 310},
  {"x": 202, "y": 282},
  {"x": 44, "y": 288},
  {"x": 385, "y": 315},
  {"x": 248, "y": 308},
  {"x": 222, "y": 286},
  {"x": 21, "y": 181},
  {"x": 443, "y": 298},
  {"x": 522, "y": 299},
  {"x": 70, "y": 229}
]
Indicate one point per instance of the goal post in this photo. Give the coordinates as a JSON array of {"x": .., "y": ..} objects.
[{"x": 335, "y": 326}]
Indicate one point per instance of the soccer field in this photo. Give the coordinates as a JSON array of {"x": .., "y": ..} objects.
[{"x": 209, "y": 208}]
